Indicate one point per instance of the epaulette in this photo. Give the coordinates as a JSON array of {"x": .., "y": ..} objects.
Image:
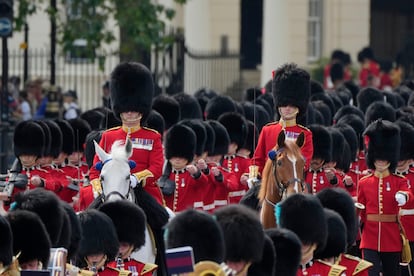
[
  {"x": 305, "y": 128},
  {"x": 148, "y": 267},
  {"x": 361, "y": 266},
  {"x": 113, "y": 128},
  {"x": 368, "y": 175},
  {"x": 336, "y": 270},
  {"x": 399, "y": 175},
  {"x": 272, "y": 123},
  {"x": 151, "y": 129}
]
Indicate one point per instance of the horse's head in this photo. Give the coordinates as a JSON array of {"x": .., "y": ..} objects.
[
  {"x": 115, "y": 170},
  {"x": 288, "y": 165}
]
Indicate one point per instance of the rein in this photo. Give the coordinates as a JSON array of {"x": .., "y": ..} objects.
[{"x": 105, "y": 197}]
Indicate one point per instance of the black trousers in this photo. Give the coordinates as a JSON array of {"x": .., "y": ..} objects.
[{"x": 386, "y": 262}]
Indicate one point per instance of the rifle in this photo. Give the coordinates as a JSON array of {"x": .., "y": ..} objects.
[{"x": 15, "y": 179}]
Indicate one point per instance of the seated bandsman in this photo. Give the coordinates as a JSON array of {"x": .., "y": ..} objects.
[
  {"x": 130, "y": 223},
  {"x": 304, "y": 215},
  {"x": 382, "y": 193},
  {"x": 99, "y": 244}
]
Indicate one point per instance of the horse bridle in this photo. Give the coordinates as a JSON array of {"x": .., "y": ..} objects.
[
  {"x": 282, "y": 187},
  {"x": 123, "y": 197}
]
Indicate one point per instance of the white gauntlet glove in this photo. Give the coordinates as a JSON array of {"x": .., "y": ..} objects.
[
  {"x": 133, "y": 181},
  {"x": 401, "y": 198}
]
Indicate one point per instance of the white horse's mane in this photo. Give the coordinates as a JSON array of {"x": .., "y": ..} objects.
[{"x": 118, "y": 150}]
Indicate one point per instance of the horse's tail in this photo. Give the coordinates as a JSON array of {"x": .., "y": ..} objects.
[{"x": 266, "y": 177}]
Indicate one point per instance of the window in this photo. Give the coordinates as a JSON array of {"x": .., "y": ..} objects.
[{"x": 315, "y": 30}]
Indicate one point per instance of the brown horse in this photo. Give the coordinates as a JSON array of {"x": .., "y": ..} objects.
[{"x": 282, "y": 176}]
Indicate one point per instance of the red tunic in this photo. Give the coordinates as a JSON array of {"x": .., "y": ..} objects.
[
  {"x": 268, "y": 139},
  {"x": 354, "y": 266},
  {"x": 222, "y": 188},
  {"x": 147, "y": 153},
  {"x": 137, "y": 268},
  {"x": 369, "y": 70},
  {"x": 86, "y": 197},
  {"x": 378, "y": 196},
  {"x": 187, "y": 191},
  {"x": 355, "y": 173},
  {"x": 318, "y": 181},
  {"x": 321, "y": 268},
  {"x": 110, "y": 271},
  {"x": 407, "y": 211},
  {"x": 239, "y": 165}
]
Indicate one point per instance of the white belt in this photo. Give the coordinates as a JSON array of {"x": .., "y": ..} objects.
[
  {"x": 220, "y": 202},
  {"x": 237, "y": 193},
  {"x": 208, "y": 207},
  {"x": 406, "y": 212}
]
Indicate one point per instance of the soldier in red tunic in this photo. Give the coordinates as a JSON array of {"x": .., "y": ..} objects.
[
  {"x": 190, "y": 182},
  {"x": 99, "y": 244},
  {"x": 403, "y": 169},
  {"x": 304, "y": 215},
  {"x": 291, "y": 92},
  {"x": 130, "y": 222},
  {"x": 238, "y": 164},
  {"x": 316, "y": 176},
  {"x": 370, "y": 69},
  {"x": 382, "y": 193},
  {"x": 132, "y": 91},
  {"x": 342, "y": 203}
]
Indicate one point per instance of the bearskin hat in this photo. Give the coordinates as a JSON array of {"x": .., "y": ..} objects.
[
  {"x": 324, "y": 97},
  {"x": 243, "y": 233},
  {"x": 382, "y": 142},
  {"x": 256, "y": 113},
  {"x": 168, "y": 107},
  {"x": 351, "y": 137},
  {"x": 366, "y": 52},
  {"x": 199, "y": 230},
  {"x": 236, "y": 127},
  {"x": 31, "y": 247},
  {"x": 33, "y": 146},
  {"x": 338, "y": 142},
  {"x": 201, "y": 134},
  {"x": 391, "y": 98},
  {"x": 6, "y": 242},
  {"x": 266, "y": 266},
  {"x": 203, "y": 95},
  {"x": 76, "y": 231},
  {"x": 367, "y": 96},
  {"x": 66, "y": 231},
  {"x": 81, "y": 128},
  {"x": 316, "y": 87},
  {"x": 265, "y": 104},
  {"x": 211, "y": 137},
  {"x": 47, "y": 205},
  {"x": 337, "y": 71},
  {"x": 250, "y": 94},
  {"x": 322, "y": 143},
  {"x": 219, "y": 105},
  {"x": 336, "y": 242},
  {"x": 337, "y": 101},
  {"x": 353, "y": 88},
  {"x": 344, "y": 95},
  {"x": 288, "y": 249},
  {"x": 251, "y": 138},
  {"x": 304, "y": 215},
  {"x": 110, "y": 120},
  {"x": 189, "y": 106},
  {"x": 324, "y": 110},
  {"x": 132, "y": 89},
  {"x": 379, "y": 110},
  {"x": 356, "y": 123},
  {"x": 57, "y": 138},
  {"x": 407, "y": 138},
  {"x": 94, "y": 135},
  {"x": 129, "y": 221},
  {"x": 180, "y": 141},
  {"x": 48, "y": 137},
  {"x": 68, "y": 136},
  {"x": 341, "y": 202},
  {"x": 291, "y": 86},
  {"x": 345, "y": 110},
  {"x": 155, "y": 121},
  {"x": 98, "y": 235},
  {"x": 222, "y": 139},
  {"x": 95, "y": 118}
]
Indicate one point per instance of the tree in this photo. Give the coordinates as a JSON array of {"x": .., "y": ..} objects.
[{"x": 139, "y": 21}]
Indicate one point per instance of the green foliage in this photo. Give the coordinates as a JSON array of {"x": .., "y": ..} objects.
[
  {"x": 316, "y": 70},
  {"x": 139, "y": 21}
]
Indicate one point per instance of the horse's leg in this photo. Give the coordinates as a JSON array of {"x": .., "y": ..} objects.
[{"x": 267, "y": 216}]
